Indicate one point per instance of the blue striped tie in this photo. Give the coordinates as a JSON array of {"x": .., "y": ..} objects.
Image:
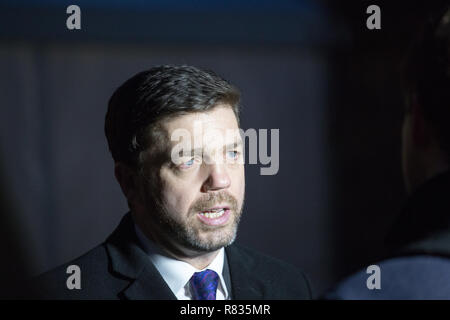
[{"x": 204, "y": 285}]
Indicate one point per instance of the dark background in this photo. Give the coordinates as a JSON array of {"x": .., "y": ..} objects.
[{"x": 309, "y": 68}]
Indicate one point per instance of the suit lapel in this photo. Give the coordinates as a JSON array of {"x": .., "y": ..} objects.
[
  {"x": 149, "y": 286},
  {"x": 227, "y": 277},
  {"x": 130, "y": 261},
  {"x": 245, "y": 285}
]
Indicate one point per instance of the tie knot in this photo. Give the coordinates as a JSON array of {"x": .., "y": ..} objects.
[{"x": 204, "y": 285}]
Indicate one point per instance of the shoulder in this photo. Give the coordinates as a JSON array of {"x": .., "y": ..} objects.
[
  {"x": 92, "y": 269},
  {"x": 259, "y": 260},
  {"x": 279, "y": 275},
  {"x": 408, "y": 277}
]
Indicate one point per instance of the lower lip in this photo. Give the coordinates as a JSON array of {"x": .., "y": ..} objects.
[{"x": 215, "y": 221}]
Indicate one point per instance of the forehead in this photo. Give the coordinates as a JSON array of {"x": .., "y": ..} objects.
[{"x": 219, "y": 122}]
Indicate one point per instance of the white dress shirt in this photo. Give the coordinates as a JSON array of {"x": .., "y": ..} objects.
[{"x": 177, "y": 273}]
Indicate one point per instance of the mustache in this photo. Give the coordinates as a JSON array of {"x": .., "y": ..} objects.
[{"x": 212, "y": 199}]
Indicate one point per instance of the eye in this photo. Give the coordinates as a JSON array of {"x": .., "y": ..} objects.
[
  {"x": 189, "y": 164},
  {"x": 233, "y": 154}
]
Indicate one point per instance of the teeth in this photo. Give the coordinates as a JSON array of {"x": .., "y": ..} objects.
[{"x": 213, "y": 214}]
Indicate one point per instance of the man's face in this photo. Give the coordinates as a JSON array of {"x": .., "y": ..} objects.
[{"x": 200, "y": 195}]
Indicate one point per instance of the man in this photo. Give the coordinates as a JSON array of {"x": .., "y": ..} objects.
[
  {"x": 185, "y": 203},
  {"x": 418, "y": 266}
]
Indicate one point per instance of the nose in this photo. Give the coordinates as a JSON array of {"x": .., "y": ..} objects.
[{"x": 218, "y": 178}]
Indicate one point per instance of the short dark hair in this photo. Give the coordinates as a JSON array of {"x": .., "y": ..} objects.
[
  {"x": 426, "y": 73},
  {"x": 162, "y": 92}
]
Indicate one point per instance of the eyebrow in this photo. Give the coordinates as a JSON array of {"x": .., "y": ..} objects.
[
  {"x": 233, "y": 145},
  {"x": 193, "y": 152},
  {"x": 183, "y": 153}
]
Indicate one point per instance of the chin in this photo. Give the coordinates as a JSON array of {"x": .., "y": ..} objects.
[{"x": 214, "y": 242}]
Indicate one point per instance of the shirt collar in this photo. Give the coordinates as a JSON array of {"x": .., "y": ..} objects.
[{"x": 177, "y": 273}]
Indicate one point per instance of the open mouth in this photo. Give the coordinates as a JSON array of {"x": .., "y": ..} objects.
[
  {"x": 213, "y": 213},
  {"x": 215, "y": 216}
]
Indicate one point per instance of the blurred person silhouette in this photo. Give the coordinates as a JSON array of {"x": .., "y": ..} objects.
[{"x": 418, "y": 263}]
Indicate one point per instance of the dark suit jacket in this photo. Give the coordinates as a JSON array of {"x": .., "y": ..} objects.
[
  {"x": 120, "y": 269},
  {"x": 418, "y": 264}
]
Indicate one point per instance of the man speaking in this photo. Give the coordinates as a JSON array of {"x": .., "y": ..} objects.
[{"x": 173, "y": 132}]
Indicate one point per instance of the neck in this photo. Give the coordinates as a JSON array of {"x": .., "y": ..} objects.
[{"x": 199, "y": 261}]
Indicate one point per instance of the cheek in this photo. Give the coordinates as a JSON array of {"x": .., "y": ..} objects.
[
  {"x": 238, "y": 183},
  {"x": 174, "y": 200},
  {"x": 177, "y": 196}
]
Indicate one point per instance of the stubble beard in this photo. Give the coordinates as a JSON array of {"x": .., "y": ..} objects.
[{"x": 192, "y": 234}]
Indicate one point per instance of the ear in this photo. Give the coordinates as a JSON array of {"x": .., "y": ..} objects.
[
  {"x": 420, "y": 130},
  {"x": 127, "y": 180}
]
